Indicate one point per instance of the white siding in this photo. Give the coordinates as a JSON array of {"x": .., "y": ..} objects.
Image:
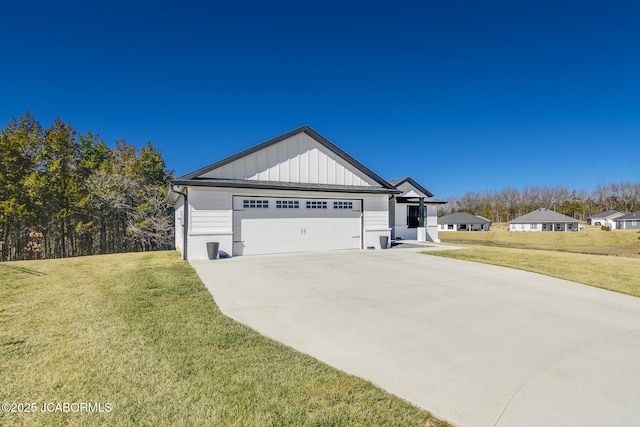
[
  {"x": 401, "y": 229},
  {"x": 409, "y": 190},
  {"x": 178, "y": 224},
  {"x": 198, "y": 244},
  {"x": 525, "y": 227},
  {"x": 400, "y": 226},
  {"x": 210, "y": 210},
  {"x": 209, "y": 221},
  {"x": 376, "y": 212},
  {"x": 432, "y": 215},
  {"x": 376, "y": 220},
  {"x": 547, "y": 227},
  {"x": 432, "y": 233},
  {"x": 432, "y": 223},
  {"x": 211, "y": 215},
  {"x": 299, "y": 159}
]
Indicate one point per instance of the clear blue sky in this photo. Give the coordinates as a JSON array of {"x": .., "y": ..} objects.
[{"x": 462, "y": 96}]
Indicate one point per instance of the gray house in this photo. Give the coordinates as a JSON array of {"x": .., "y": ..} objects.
[
  {"x": 544, "y": 220},
  {"x": 606, "y": 218},
  {"x": 463, "y": 221},
  {"x": 630, "y": 221}
]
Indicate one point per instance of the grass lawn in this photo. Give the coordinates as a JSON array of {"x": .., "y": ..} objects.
[
  {"x": 620, "y": 274},
  {"x": 591, "y": 240},
  {"x": 141, "y": 333}
]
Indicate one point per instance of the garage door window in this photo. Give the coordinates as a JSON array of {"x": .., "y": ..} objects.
[
  {"x": 313, "y": 204},
  {"x": 287, "y": 204},
  {"x": 343, "y": 205},
  {"x": 255, "y": 204}
]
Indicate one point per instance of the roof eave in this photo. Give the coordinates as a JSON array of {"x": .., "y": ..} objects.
[{"x": 273, "y": 185}]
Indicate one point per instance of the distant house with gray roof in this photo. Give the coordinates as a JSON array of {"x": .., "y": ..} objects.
[
  {"x": 606, "y": 218},
  {"x": 630, "y": 221},
  {"x": 544, "y": 220},
  {"x": 463, "y": 221}
]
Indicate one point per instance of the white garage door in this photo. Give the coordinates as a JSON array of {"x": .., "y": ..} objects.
[{"x": 266, "y": 225}]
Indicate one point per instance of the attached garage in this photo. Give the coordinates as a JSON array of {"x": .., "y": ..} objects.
[
  {"x": 295, "y": 193},
  {"x": 263, "y": 225}
]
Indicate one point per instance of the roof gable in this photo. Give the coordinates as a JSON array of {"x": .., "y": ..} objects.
[
  {"x": 543, "y": 215},
  {"x": 410, "y": 188},
  {"x": 300, "y": 156}
]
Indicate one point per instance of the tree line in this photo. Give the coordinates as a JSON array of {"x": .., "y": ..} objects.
[
  {"x": 510, "y": 203},
  {"x": 66, "y": 194}
]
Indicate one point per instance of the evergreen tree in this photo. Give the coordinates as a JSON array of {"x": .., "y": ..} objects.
[
  {"x": 19, "y": 144},
  {"x": 64, "y": 194}
]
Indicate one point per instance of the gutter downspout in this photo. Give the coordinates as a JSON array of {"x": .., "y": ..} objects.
[{"x": 185, "y": 219}]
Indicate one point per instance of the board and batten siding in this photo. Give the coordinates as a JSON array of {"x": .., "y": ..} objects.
[{"x": 299, "y": 159}]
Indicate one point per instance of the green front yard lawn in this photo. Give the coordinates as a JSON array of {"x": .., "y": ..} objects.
[
  {"x": 615, "y": 273},
  {"x": 141, "y": 333},
  {"x": 591, "y": 240}
]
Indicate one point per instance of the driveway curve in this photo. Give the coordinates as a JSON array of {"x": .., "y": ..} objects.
[{"x": 477, "y": 345}]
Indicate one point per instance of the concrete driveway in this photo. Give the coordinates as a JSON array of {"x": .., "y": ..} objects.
[{"x": 476, "y": 345}]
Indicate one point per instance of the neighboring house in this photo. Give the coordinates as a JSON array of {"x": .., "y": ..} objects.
[
  {"x": 606, "y": 218},
  {"x": 630, "y": 221},
  {"x": 296, "y": 192},
  {"x": 463, "y": 221},
  {"x": 544, "y": 220},
  {"x": 413, "y": 213}
]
